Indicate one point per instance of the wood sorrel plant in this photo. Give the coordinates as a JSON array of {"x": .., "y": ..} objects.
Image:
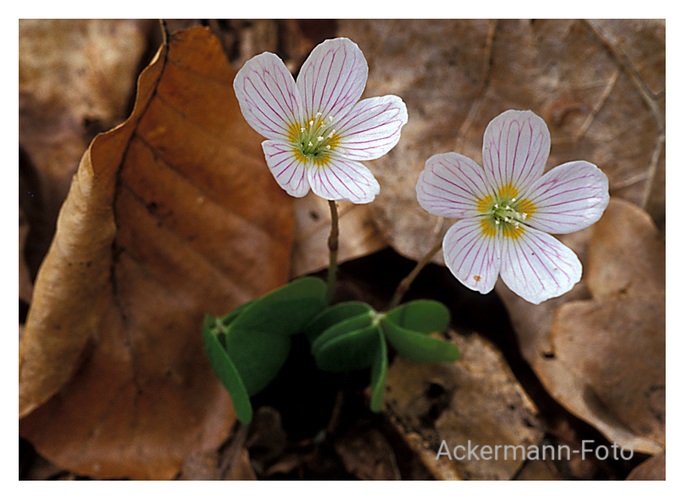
[{"x": 317, "y": 132}]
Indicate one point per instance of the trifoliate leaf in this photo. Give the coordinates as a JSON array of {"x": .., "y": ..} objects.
[
  {"x": 342, "y": 328},
  {"x": 350, "y": 351},
  {"x": 407, "y": 327},
  {"x": 248, "y": 347},
  {"x": 284, "y": 311},
  {"x": 419, "y": 347},
  {"x": 423, "y": 316},
  {"x": 333, "y": 315}
]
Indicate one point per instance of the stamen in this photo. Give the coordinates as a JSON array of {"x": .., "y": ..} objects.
[{"x": 319, "y": 139}]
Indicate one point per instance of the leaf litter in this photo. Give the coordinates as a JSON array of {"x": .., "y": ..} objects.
[{"x": 447, "y": 114}]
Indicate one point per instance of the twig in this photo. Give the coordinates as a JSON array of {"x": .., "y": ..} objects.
[{"x": 404, "y": 285}]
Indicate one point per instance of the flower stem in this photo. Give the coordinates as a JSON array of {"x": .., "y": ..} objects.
[
  {"x": 332, "y": 251},
  {"x": 404, "y": 285}
]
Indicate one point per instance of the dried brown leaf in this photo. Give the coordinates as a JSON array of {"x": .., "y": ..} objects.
[
  {"x": 476, "y": 400},
  {"x": 599, "y": 350},
  {"x": 615, "y": 343},
  {"x": 171, "y": 215},
  {"x": 76, "y": 79}
]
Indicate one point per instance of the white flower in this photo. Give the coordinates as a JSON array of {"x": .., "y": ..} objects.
[
  {"x": 317, "y": 132},
  {"x": 507, "y": 208}
]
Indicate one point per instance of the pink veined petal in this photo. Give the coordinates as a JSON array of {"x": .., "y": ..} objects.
[
  {"x": 471, "y": 255},
  {"x": 341, "y": 179},
  {"x": 568, "y": 198},
  {"x": 289, "y": 172},
  {"x": 451, "y": 185},
  {"x": 515, "y": 149},
  {"x": 372, "y": 127},
  {"x": 537, "y": 266},
  {"x": 268, "y": 96},
  {"x": 332, "y": 78}
]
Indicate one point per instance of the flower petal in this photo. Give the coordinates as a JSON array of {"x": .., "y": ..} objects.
[
  {"x": 471, "y": 255},
  {"x": 268, "y": 96},
  {"x": 341, "y": 179},
  {"x": 372, "y": 127},
  {"x": 537, "y": 266},
  {"x": 289, "y": 172},
  {"x": 332, "y": 78},
  {"x": 515, "y": 149},
  {"x": 569, "y": 198},
  {"x": 451, "y": 186}
]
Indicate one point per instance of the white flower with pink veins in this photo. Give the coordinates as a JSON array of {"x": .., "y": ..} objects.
[
  {"x": 317, "y": 130},
  {"x": 507, "y": 209}
]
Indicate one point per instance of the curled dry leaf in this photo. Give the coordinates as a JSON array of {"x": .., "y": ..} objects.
[
  {"x": 76, "y": 77},
  {"x": 476, "y": 400},
  {"x": 170, "y": 216}
]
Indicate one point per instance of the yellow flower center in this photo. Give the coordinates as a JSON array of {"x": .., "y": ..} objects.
[
  {"x": 504, "y": 213},
  {"x": 315, "y": 140}
]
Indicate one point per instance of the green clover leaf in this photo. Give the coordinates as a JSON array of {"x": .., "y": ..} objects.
[{"x": 248, "y": 347}]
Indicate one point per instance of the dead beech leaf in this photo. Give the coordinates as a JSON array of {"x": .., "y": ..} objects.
[
  {"x": 476, "y": 400},
  {"x": 615, "y": 344},
  {"x": 76, "y": 78},
  {"x": 170, "y": 216},
  {"x": 599, "y": 350},
  {"x": 582, "y": 77}
]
